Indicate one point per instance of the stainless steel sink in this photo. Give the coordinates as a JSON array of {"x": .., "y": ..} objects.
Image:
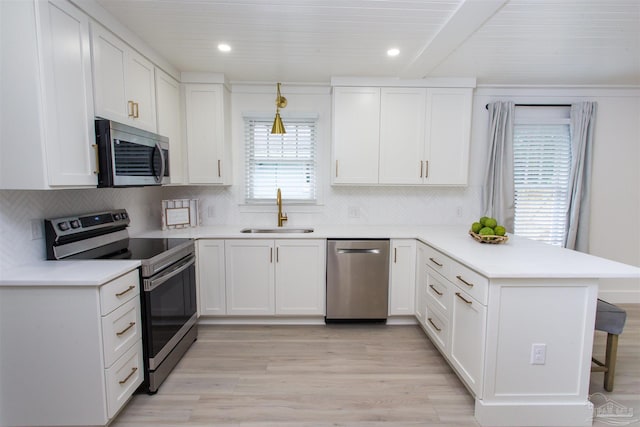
[{"x": 277, "y": 230}]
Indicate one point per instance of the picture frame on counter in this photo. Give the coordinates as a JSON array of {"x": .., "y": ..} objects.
[{"x": 179, "y": 213}]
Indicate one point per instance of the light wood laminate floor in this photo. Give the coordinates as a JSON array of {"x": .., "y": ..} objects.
[{"x": 338, "y": 375}]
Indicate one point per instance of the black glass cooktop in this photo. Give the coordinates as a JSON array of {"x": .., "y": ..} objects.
[{"x": 136, "y": 249}]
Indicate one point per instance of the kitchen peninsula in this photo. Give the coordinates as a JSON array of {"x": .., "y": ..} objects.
[{"x": 484, "y": 307}]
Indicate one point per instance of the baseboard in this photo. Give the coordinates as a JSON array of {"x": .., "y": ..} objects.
[{"x": 534, "y": 414}]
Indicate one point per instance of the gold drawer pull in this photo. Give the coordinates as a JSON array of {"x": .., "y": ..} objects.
[
  {"x": 136, "y": 114},
  {"x": 130, "y": 109},
  {"x": 130, "y": 288},
  {"x": 463, "y": 298},
  {"x": 433, "y": 324},
  {"x": 122, "y": 332},
  {"x": 435, "y": 262},
  {"x": 133, "y": 371},
  {"x": 435, "y": 290},
  {"x": 95, "y": 148},
  {"x": 464, "y": 281}
]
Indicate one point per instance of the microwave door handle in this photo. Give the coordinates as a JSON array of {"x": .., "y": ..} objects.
[
  {"x": 158, "y": 178},
  {"x": 151, "y": 284}
]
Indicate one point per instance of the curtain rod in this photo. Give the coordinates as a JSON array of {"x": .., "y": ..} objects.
[{"x": 537, "y": 105}]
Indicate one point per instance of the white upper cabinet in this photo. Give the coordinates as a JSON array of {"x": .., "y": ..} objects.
[
  {"x": 448, "y": 134},
  {"x": 401, "y": 135},
  {"x": 170, "y": 123},
  {"x": 124, "y": 81},
  {"x": 208, "y": 134},
  {"x": 47, "y": 128},
  {"x": 356, "y": 135}
]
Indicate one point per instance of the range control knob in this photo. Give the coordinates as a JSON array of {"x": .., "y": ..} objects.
[
  {"x": 75, "y": 224},
  {"x": 124, "y": 215},
  {"x": 116, "y": 217},
  {"x": 64, "y": 226}
]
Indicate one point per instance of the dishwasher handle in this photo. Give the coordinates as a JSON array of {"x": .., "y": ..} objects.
[{"x": 357, "y": 251}]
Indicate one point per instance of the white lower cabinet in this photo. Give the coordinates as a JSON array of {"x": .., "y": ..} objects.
[
  {"x": 210, "y": 266},
  {"x": 403, "y": 279},
  {"x": 74, "y": 357},
  {"x": 452, "y": 309},
  {"x": 275, "y": 277}
]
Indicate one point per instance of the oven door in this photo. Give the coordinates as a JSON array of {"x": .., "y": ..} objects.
[{"x": 169, "y": 309}]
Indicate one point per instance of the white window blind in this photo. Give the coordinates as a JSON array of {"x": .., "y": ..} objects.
[
  {"x": 542, "y": 162},
  {"x": 284, "y": 161}
]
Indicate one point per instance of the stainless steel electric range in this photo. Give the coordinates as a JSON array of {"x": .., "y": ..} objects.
[{"x": 167, "y": 275}]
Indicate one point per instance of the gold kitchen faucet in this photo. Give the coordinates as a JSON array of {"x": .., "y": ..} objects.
[{"x": 281, "y": 217}]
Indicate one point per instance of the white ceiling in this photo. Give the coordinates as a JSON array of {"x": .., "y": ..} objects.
[{"x": 545, "y": 42}]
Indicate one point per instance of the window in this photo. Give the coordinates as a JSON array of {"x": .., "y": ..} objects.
[
  {"x": 284, "y": 161},
  {"x": 542, "y": 163}
]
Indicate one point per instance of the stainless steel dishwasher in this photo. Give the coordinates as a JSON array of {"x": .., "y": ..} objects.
[{"x": 357, "y": 280}]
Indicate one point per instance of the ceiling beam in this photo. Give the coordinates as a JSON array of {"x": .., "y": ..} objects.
[{"x": 466, "y": 20}]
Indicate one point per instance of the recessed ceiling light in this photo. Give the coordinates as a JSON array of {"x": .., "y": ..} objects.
[
  {"x": 223, "y": 47},
  {"x": 393, "y": 52}
]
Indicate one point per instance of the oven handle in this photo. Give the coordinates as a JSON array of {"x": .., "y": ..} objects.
[{"x": 151, "y": 284}]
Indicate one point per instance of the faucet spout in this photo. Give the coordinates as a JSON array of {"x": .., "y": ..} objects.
[{"x": 281, "y": 217}]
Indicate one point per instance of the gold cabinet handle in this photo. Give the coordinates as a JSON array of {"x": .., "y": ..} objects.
[
  {"x": 395, "y": 255},
  {"x": 122, "y": 332},
  {"x": 435, "y": 290},
  {"x": 277, "y": 254},
  {"x": 433, "y": 324},
  {"x": 271, "y": 255},
  {"x": 435, "y": 262},
  {"x": 336, "y": 168},
  {"x": 95, "y": 149},
  {"x": 130, "y": 108},
  {"x": 135, "y": 110},
  {"x": 426, "y": 168},
  {"x": 421, "y": 162},
  {"x": 463, "y": 298},
  {"x": 464, "y": 281},
  {"x": 129, "y": 289},
  {"x": 133, "y": 371},
  {"x": 219, "y": 169}
]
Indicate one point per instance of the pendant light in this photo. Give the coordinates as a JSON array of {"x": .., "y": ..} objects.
[{"x": 281, "y": 102}]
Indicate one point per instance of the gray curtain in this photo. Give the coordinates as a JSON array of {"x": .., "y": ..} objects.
[
  {"x": 498, "y": 191},
  {"x": 583, "y": 116}
]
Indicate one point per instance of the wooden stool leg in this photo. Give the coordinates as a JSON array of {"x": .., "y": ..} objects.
[{"x": 610, "y": 361}]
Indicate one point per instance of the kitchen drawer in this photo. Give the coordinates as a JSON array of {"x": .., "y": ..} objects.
[
  {"x": 119, "y": 291},
  {"x": 469, "y": 281},
  {"x": 120, "y": 329},
  {"x": 437, "y": 261},
  {"x": 123, "y": 378},
  {"x": 438, "y": 292},
  {"x": 437, "y": 326}
]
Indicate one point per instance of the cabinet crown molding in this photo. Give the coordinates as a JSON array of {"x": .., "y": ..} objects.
[{"x": 449, "y": 82}]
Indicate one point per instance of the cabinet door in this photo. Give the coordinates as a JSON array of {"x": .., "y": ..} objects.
[
  {"x": 421, "y": 282},
  {"x": 356, "y": 135},
  {"x": 68, "y": 103},
  {"x": 249, "y": 273},
  {"x": 205, "y": 133},
  {"x": 109, "y": 59},
  {"x": 300, "y": 273},
  {"x": 140, "y": 89},
  {"x": 402, "y": 113},
  {"x": 467, "y": 339},
  {"x": 448, "y": 127},
  {"x": 211, "y": 277},
  {"x": 170, "y": 122},
  {"x": 403, "y": 277}
]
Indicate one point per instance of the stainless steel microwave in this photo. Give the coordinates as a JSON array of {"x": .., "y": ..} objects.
[{"x": 130, "y": 157}]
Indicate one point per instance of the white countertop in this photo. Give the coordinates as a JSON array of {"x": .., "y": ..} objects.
[
  {"x": 67, "y": 273},
  {"x": 517, "y": 258}
]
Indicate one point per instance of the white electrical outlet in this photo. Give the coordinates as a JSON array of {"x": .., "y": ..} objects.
[
  {"x": 538, "y": 354},
  {"x": 353, "y": 211},
  {"x": 211, "y": 212},
  {"x": 37, "y": 231}
]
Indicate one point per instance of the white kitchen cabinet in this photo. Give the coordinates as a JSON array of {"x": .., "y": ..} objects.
[
  {"x": 275, "y": 277},
  {"x": 208, "y": 134},
  {"x": 300, "y": 277},
  {"x": 402, "y": 286},
  {"x": 401, "y": 136},
  {"x": 75, "y": 354},
  {"x": 468, "y": 326},
  {"x": 356, "y": 135},
  {"x": 210, "y": 265},
  {"x": 124, "y": 81},
  {"x": 47, "y": 127},
  {"x": 169, "y": 120},
  {"x": 448, "y": 135}
]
